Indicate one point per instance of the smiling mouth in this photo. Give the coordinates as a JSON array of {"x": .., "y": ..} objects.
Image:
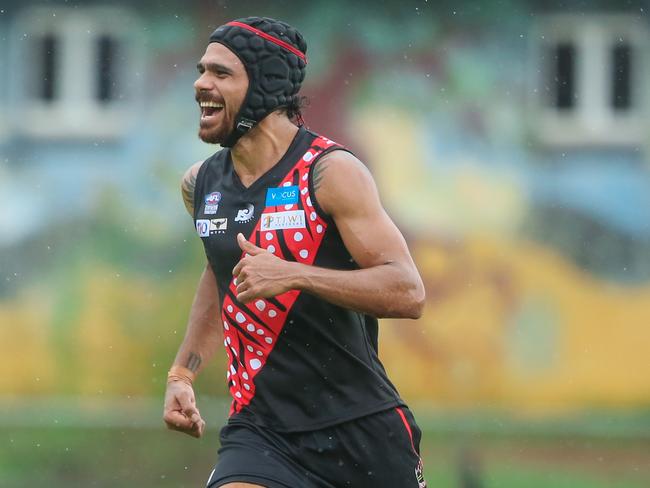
[{"x": 209, "y": 109}]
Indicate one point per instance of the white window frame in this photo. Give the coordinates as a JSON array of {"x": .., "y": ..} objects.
[
  {"x": 76, "y": 112},
  {"x": 592, "y": 121}
]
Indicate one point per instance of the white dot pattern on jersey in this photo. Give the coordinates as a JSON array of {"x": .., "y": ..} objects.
[{"x": 262, "y": 331}]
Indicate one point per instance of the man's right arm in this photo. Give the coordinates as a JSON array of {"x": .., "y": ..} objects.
[{"x": 203, "y": 336}]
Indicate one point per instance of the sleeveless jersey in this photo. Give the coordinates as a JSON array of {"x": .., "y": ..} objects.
[{"x": 295, "y": 361}]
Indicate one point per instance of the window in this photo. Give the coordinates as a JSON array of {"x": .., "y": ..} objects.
[
  {"x": 107, "y": 87},
  {"x": 621, "y": 81},
  {"x": 74, "y": 72},
  {"x": 589, "y": 80},
  {"x": 46, "y": 49},
  {"x": 563, "y": 75}
]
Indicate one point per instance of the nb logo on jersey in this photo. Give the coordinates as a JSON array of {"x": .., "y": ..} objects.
[{"x": 245, "y": 214}]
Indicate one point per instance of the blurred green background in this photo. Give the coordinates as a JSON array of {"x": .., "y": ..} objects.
[{"x": 509, "y": 140}]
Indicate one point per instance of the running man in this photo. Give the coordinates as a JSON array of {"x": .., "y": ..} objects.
[{"x": 301, "y": 260}]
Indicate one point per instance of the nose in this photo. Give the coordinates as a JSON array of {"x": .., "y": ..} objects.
[{"x": 202, "y": 83}]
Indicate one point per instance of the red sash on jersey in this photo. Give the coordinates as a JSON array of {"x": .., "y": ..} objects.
[{"x": 263, "y": 319}]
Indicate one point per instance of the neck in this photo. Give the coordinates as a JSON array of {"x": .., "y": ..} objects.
[{"x": 262, "y": 147}]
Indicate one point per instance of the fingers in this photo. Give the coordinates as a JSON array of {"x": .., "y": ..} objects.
[
  {"x": 176, "y": 420},
  {"x": 246, "y": 296},
  {"x": 181, "y": 413},
  {"x": 248, "y": 246},
  {"x": 197, "y": 423},
  {"x": 193, "y": 424},
  {"x": 237, "y": 269},
  {"x": 197, "y": 428},
  {"x": 192, "y": 413}
]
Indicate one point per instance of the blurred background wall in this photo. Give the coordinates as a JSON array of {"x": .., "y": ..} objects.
[{"x": 509, "y": 140}]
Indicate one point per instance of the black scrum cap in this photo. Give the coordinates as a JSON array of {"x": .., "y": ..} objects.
[{"x": 273, "y": 53}]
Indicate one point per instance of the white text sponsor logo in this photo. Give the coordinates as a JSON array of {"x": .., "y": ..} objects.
[{"x": 294, "y": 219}]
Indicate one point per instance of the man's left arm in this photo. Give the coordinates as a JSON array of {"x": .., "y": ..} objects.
[{"x": 387, "y": 283}]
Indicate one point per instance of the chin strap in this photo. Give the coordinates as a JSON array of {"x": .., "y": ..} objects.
[{"x": 242, "y": 127}]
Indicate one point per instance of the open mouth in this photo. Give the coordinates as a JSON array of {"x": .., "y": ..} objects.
[{"x": 210, "y": 109}]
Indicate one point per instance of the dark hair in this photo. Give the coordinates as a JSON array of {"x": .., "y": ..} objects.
[{"x": 294, "y": 108}]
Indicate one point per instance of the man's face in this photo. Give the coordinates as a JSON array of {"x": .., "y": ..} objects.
[{"x": 220, "y": 91}]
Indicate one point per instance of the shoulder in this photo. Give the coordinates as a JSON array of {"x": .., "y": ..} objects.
[
  {"x": 192, "y": 171},
  {"x": 340, "y": 179},
  {"x": 188, "y": 185}
]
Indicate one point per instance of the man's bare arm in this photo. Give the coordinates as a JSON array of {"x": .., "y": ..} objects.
[
  {"x": 202, "y": 338},
  {"x": 204, "y": 332},
  {"x": 388, "y": 283},
  {"x": 188, "y": 185}
]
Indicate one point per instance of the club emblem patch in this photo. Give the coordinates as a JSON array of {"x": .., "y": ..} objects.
[{"x": 212, "y": 202}]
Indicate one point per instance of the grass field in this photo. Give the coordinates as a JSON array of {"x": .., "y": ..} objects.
[{"x": 57, "y": 453}]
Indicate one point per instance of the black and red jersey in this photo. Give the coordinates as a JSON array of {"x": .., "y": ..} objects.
[{"x": 295, "y": 361}]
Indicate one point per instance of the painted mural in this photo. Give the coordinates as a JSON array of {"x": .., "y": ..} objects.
[{"x": 536, "y": 259}]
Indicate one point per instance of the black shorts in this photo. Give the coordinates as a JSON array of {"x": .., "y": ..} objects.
[{"x": 376, "y": 451}]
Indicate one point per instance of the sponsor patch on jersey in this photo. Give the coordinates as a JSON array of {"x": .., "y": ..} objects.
[
  {"x": 245, "y": 214},
  {"x": 217, "y": 225},
  {"x": 212, "y": 202},
  {"x": 294, "y": 219},
  {"x": 203, "y": 227},
  {"x": 208, "y": 227},
  {"x": 283, "y": 195}
]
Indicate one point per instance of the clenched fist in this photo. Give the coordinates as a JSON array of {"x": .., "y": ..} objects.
[{"x": 180, "y": 412}]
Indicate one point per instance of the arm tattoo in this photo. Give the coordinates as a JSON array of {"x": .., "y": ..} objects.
[
  {"x": 187, "y": 189},
  {"x": 319, "y": 170},
  {"x": 193, "y": 362}
]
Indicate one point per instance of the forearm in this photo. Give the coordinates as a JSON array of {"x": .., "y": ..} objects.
[
  {"x": 387, "y": 290},
  {"x": 204, "y": 333}
]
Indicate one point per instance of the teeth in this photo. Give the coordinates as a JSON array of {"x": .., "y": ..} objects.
[{"x": 210, "y": 105}]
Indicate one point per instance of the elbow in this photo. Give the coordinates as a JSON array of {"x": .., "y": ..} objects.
[
  {"x": 415, "y": 303},
  {"x": 406, "y": 298},
  {"x": 411, "y": 302}
]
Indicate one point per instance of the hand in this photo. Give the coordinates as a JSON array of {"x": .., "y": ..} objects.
[
  {"x": 180, "y": 412},
  {"x": 260, "y": 274}
]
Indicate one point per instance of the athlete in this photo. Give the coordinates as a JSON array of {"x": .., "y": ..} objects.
[{"x": 301, "y": 260}]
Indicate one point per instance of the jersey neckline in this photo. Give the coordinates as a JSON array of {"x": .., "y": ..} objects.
[{"x": 288, "y": 155}]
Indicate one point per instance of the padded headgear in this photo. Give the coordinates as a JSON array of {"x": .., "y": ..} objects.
[{"x": 273, "y": 53}]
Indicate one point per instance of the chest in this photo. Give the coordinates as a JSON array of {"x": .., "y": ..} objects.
[{"x": 276, "y": 214}]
